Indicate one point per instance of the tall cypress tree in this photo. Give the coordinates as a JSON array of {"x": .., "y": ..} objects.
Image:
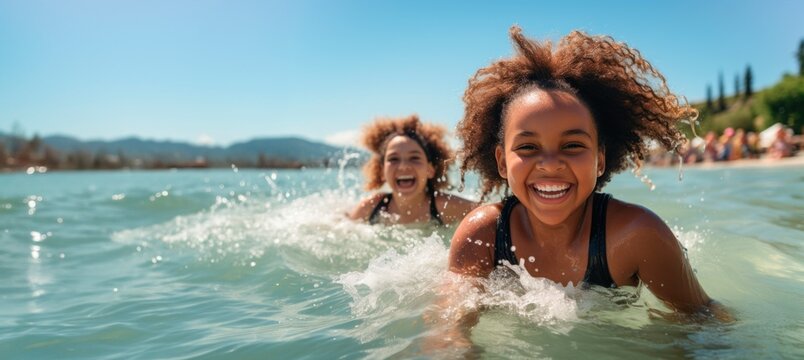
[
  {"x": 736, "y": 85},
  {"x": 709, "y": 97},
  {"x": 749, "y": 78},
  {"x": 721, "y": 97},
  {"x": 800, "y": 56}
]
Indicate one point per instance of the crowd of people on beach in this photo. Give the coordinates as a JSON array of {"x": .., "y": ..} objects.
[{"x": 776, "y": 142}]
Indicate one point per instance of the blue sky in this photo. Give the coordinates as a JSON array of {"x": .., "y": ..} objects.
[{"x": 228, "y": 71}]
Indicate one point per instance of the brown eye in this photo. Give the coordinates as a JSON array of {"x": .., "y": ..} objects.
[
  {"x": 526, "y": 147},
  {"x": 574, "y": 145}
]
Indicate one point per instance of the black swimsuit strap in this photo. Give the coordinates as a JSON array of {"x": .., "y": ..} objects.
[
  {"x": 434, "y": 215},
  {"x": 502, "y": 240},
  {"x": 382, "y": 205},
  {"x": 597, "y": 268}
]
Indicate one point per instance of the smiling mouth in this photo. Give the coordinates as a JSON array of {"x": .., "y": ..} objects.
[
  {"x": 551, "y": 191},
  {"x": 406, "y": 181}
]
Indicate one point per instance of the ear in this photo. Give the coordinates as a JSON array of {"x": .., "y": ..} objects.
[
  {"x": 601, "y": 161},
  {"x": 430, "y": 171},
  {"x": 502, "y": 169}
]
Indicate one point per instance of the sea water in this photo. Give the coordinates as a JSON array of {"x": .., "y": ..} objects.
[{"x": 263, "y": 264}]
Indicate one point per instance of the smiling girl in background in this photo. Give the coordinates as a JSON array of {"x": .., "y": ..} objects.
[{"x": 412, "y": 159}]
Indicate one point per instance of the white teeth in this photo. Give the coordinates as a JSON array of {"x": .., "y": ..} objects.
[
  {"x": 556, "y": 196},
  {"x": 552, "y": 188},
  {"x": 406, "y": 177}
]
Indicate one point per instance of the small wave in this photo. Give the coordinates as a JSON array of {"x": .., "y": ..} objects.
[{"x": 311, "y": 232}]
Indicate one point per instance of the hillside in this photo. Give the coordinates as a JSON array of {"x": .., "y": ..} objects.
[
  {"x": 61, "y": 151},
  {"x": 781, "y": 103}
]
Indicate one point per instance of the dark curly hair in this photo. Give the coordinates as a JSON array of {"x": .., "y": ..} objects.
[
  {"x": 429, "y": 136},
  {"x": 628, "y": 98}
]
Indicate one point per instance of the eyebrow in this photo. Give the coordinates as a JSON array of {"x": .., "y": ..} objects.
[
  {"x": 565, "y": 133},
  {"x": 414, "y": 152}
]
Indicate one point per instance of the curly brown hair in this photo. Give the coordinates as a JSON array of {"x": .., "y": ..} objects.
[
  {"x": 628, "y": 98},
  {"x": 429, "y": 136}
]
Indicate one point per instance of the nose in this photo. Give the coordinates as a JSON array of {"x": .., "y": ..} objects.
[{"x": 550, "y": 162}]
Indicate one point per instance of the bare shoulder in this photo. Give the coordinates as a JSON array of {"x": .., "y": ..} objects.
[
  {"x": 363, "y": 210},
  {"x": 453, "y": 208},
  {"x": 645, "y": 245},
  {"x": 472, "y": 248},
  {"x": 636, "y": 238},
  {"x": 638, "y": 224}
]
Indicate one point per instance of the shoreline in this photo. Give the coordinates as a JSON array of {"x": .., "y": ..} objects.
[{"x": 761, "y": 163}]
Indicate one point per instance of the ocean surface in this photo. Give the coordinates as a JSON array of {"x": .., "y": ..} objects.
[{"x": 248, "y": 264}]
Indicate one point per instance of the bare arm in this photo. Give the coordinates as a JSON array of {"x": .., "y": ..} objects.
[
  {"x": 450, "y": 320},
  {"x": 363, "y": 210},
  {"x": 662, "y": 265},
  {"x": 453, "y": 208}
]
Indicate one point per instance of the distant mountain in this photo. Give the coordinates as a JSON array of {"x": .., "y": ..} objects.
[
  {"x": 284, "y": 148},
  {"x": 289, "y": 148},
  {"x": 135, "y": 147}
]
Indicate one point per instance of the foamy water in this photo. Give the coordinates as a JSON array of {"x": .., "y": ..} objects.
[{"x": 262, "y": 264}]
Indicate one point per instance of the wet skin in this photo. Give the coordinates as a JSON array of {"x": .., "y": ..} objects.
[{"x": 551, "y": 159}]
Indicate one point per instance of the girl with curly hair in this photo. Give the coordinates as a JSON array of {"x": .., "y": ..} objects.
[
  {"x": 550, "y": 126},
  {"x": 412, "y": 158}
]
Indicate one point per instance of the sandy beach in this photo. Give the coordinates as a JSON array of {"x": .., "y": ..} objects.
[{"x": 793, "y": 161}]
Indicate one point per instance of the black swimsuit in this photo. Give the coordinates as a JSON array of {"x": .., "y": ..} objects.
[
  {"x": 386, "y": 199},
  {"x": 597, "y": 268}
]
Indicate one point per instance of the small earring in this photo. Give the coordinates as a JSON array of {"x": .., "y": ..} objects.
[{"x": 599, "y": 173}]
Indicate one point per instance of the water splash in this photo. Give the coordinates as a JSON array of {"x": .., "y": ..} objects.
[{"x": 637, "y": 171}]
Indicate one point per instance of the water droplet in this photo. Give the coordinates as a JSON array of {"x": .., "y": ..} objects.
[
  {"x": 253, "y": 264},
  {"x": 513, "y": 248},
  {"x": 115, "y": 289},
  {"x": 532, "y": 259}
]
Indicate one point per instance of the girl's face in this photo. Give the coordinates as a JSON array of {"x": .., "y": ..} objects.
[
  {"x": 550, "y": 156},
  {"x": 405, "y": 167}
]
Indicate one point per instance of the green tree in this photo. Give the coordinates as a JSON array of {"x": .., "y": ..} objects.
[
  {"x": 736, "y": 85},
  {"x": 3, "y": 155},
  {"x": 51, "y": 158},
  {"x": 709, "y": 97},
  {"x": 800, "y": 56},
  {"x": 784, "y": 103},
  {"x": 749, "y": 79},
  {"x": 721, "y": 97}
]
